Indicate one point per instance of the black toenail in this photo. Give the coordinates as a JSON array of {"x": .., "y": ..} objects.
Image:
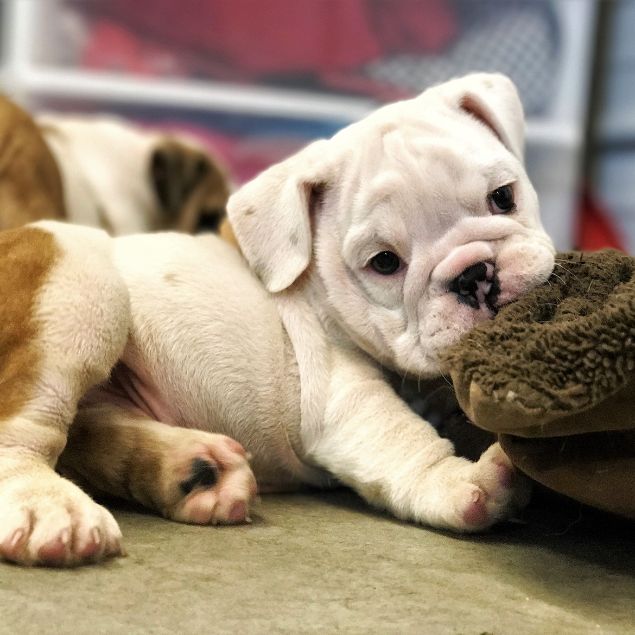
[{"x": 203, "y": 474}]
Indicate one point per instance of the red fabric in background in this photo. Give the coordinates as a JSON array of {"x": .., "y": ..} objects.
[
  {"x": 115, "y": 48},
  {"x": 257, "y": 36},
  {"x": 595, "y": 229},
  {"x": 413, "y": 26},
  {"x": 253, "y": 38}
]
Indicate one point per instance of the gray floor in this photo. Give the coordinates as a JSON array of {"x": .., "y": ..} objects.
[{"x": 325, "y": 563}]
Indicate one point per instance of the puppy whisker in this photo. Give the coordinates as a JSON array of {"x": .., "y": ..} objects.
[
  {"x": 568, "y": 271},
  {"x": 447, "y": 380}
]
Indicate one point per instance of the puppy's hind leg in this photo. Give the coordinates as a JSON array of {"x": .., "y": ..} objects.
[
  {"x": 64, "y": 319},
  {"x": 186, "y": 475}
]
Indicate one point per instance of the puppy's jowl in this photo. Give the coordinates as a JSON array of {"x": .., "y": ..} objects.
[{"x": 145, "y": 364}]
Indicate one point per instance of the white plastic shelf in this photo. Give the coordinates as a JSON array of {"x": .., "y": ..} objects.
[{"x": 249, "y": 100}]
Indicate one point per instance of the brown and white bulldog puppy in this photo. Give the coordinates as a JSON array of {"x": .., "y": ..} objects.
[
  {"x": 105, "y": 172},
  {"x": 126, "y": 180},
  {"x": 142, "y": 366}
]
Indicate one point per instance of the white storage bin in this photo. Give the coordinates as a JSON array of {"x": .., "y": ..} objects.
[
  {"x": 51, "y": 59},
  {"x": 616, "y": 125},
  {"x": 621, "y": 33},
  {"x": 615, "y": 157},
  {"x": 554, "y": 169},
  {"x": 617, "y": 118}
]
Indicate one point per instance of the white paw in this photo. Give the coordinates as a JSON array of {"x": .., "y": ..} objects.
[
  {"x": 208, "y": 480},
  {"x": 47, "y": 520},
  {"x": 492, "y": 491},
  {"x": 464, "y": 496}
]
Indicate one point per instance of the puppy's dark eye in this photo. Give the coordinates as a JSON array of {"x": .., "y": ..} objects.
[
  {"x": 501, "y": 200},
  {"x": 385, "y": 262}
]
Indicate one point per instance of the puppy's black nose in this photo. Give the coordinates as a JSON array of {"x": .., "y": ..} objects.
[
  {"x": 476, "y": 285},
  {"x": 467, "y": 281}
]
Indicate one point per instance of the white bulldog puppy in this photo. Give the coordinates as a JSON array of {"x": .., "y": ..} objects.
[{"x": 176, "y": 361}]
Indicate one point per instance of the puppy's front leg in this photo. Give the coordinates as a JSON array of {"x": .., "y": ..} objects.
[
  {"x": 64, "y": 314},
  {"x": 187, "y": 475},
  {"x": 372, "y": 442}
]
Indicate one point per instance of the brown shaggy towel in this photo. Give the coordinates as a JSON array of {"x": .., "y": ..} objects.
[{"x": 561, "y": 361}]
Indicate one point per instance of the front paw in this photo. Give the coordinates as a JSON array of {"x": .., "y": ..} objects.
[
  {"x": 469, "y": 497},
  {"x": 494, "y": 491},
  {"x": 47, "y": 520},
  {"x": 207, "y": 480}
]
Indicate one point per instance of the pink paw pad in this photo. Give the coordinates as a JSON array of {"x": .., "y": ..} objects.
[
  {"x": 92, "y": 546},
  {"x": 54, "y": 551},
  {"x": 13, "y": 545},
  {"x": 237, "y": 513},
  {"x": 476, "y": 512}
]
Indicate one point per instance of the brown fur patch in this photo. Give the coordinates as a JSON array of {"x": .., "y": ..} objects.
[
  {"x": 30, "y": 182},
  {"x": 26, "y": 256},
  {"x": 106, "y": 454},
  {"x": 171, "y": 278},
  {"x": 116, "y": 452},
  {"x": 192, "y": 186}
]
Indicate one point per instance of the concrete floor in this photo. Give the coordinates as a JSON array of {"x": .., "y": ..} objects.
[{"x": 324, "y": 562}]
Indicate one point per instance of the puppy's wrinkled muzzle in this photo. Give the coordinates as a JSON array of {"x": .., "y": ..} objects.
[{"x": 477, "y": 286}]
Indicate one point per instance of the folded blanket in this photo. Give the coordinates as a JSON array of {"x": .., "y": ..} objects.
[{"x": 557, "y": 367}]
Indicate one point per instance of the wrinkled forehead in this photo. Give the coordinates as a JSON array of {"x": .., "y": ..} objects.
[{"x": 413, "y": 160}]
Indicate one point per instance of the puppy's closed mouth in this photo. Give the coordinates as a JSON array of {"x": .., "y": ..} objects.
[{"x": 477, "y": 286}]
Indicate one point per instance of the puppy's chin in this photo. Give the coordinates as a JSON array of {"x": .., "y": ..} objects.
[{"x": 445, "y": 321}]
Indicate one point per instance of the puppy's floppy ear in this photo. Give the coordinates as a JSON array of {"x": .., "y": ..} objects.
[
  {"x": 271, "y": 215},
  {"x": 191, "y": 187},
  {"x": 493, "y": 99}
]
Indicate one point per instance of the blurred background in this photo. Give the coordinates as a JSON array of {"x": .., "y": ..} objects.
[{"x": 257, "y": 79}]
